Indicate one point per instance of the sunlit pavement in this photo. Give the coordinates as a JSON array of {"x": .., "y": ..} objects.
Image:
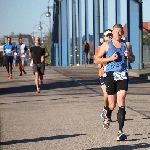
[{"x": 66, "y": 114}]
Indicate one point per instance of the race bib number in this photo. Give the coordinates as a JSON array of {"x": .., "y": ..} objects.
[
  {"x": 8, "y": 51},
  {"x": 119, "y": 75},
  {"x": 23, "y": 55}
]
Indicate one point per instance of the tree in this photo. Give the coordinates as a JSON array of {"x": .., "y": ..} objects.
[
  {"x": 47, "y": 44},
  {"x": 146, "y": 38}
]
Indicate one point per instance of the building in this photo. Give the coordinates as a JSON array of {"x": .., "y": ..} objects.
[{"x": 146, "y": 28}]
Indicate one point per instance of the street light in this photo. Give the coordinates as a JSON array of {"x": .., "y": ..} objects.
[
  {"x": 48, "y": 13},
  {"x": 40, "y": 27},
  {"x": 33, "y": 30}
]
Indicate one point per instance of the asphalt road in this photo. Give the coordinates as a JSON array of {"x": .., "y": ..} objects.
[{"x": 66, "y": 114}]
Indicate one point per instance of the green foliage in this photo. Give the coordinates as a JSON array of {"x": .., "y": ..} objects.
[
  {"x": 47, "y": 44},
  {"x": 146, "y": 38}
]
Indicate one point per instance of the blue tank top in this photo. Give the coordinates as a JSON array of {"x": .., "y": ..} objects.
[
  {"x": 120, "y": 64},
  {"x": 8, "y": 48}
]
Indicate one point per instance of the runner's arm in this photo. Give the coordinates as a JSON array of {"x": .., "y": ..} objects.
[
  {"x": 4, "y": 50},
  {"x": 46, "y": 53},
  {"x": 30, "y": 53},
  {"x": 130, "y": 57},
  {"x": 99, "y": 59},
  {"x": 43, "y": 55},
  {"x": 96, "y": 52}
]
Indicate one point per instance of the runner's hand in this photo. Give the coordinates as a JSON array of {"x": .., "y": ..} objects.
[
  {"x": 114, "y": 56},
  {"x": 127, "y": 53},
  {"x": 99, "y": 65}
]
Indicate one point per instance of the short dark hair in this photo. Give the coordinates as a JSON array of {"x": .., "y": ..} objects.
[
  {"x": 118, "y": 26},
  {"x": 20, "y": 38},
  {"x": 8, "y": 37}
]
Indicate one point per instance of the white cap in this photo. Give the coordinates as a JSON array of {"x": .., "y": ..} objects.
[{"x": 107, "y": 32}]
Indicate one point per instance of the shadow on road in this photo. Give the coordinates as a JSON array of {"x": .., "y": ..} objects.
[
  {"x": 124, "y": 147},
  {"x": 61, "y": 84},
  {"x": 57, "y": 137}
]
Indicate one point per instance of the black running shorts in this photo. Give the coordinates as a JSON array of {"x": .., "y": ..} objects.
[
  {"x": 102, "y": 80},
  {"x": 112, "y": 86},
  {"x": 18, "y": 59},
  {"x": 40, "y": 68}
]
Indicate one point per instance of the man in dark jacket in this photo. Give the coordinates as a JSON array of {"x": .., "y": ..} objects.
[{"x": 86, "y": 50}]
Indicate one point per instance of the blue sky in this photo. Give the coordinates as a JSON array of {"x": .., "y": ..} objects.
[{"x": 21, "y": 16}]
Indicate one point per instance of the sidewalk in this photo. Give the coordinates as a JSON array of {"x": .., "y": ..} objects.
[
  {"x": 66, "y": 115},
  {"x": 141, "y": 73}
]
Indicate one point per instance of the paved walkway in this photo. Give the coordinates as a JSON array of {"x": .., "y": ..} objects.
[
  {"x": 142, "y": 73},
  {"x": 66, "y": 114}
]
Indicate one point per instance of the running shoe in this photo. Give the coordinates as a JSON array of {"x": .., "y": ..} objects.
[
  {"x": 106, "y": 123},
  {"x": 10, "y": 76},
  {"x": 38, "y": 90},
  {"x": 121, "y": 136},
  {"x": 23, "y": 71},
  {"x": 103, "y": 115}
]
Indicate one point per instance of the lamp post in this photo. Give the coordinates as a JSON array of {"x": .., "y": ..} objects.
[
  {"x": 40, "y": 28},
  {"x": 33, "y": 30}
]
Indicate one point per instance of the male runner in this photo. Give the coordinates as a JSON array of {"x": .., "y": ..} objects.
[
  {"x": 117, "y": 52},
  {"x": 8, "y": 50},
  {"x": 21, "y": 51},
  {"x": 38, "y": 52},
  {"x": 107, "y": 36}
]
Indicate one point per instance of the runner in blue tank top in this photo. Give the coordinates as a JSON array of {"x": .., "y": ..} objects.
[{"x": 117, "y": 52}]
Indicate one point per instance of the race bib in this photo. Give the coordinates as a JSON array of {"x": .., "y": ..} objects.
[
  {"x": 8, "y": 51},
  {"x": 23, "y": 55},
  {"x": 119, "y": 75}
]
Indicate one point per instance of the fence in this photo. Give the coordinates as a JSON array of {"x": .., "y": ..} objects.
[{"x": 146, "y": 54}]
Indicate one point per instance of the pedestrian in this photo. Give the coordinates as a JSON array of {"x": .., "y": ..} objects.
[
  {"x": 117, "y": 52},
  {"x": 86, "y": 50},
  {"x": 107, "y": 36},
  {"x": 37, "y": 53},
  {"x": 8, "y": 50},
  {"x": 21, "y": 54}
]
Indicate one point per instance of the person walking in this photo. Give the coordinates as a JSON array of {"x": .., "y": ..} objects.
[
  {"x": 8, "y": 50},
  {"x": 21, "y": 52},
  {"x": 86, "y": 50},
  {"x": 107, "y": 36},
  {"x": 37, "y": 53},
  {"x": 117, "y": 52}
]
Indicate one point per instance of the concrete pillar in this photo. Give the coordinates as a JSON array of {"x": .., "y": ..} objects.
[
  {"x": 68, "y": 34},
  {"x": 87, "y": 24},
  {"x": 56, "y": 54},
  {"x": 133, "y": 30},
  {"x": 105, "y": 14},
  {"x": 60, "y": 34},
  {"x": 80, "y": 30},
  {"x": 118, "y": 11},
  {"x": 96, "y": 24},
  {"x": 73, "y": 34},
  {"x": 64, "y": 33}
]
